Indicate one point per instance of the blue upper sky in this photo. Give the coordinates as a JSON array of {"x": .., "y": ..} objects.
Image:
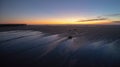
[{"x": 42, "y": 9}]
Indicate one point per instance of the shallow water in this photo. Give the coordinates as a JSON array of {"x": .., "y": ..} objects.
[{"x": 34, "y": 48}]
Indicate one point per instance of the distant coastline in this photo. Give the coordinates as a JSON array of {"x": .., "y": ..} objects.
[{"x": 3, "y": 25}]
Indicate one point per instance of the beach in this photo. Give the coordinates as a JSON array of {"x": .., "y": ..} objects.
[{"x": 49, "y": 46}]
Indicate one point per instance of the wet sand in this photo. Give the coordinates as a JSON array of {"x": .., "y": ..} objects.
[{"x": 49, "y": 46}]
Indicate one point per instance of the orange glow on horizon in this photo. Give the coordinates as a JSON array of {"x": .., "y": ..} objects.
[
  {"x": 67, "y": 21},
  {"x": 55, "y": 21}
]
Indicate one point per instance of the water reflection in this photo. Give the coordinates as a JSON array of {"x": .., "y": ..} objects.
[
  {"x": 37, "y": 48},
  {"x": 15, "y": 35}
]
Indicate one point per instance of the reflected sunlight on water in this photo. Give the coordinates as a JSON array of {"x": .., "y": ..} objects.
[{"x": 37, "y": 48}]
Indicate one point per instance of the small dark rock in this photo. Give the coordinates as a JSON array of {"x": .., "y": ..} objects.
[{"x": 70, "y": 37}]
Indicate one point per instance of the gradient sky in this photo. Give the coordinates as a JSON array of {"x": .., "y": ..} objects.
[{"x": 59, "y": 11}]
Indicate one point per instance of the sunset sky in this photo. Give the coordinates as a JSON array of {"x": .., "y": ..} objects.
[{"x": 60, "y": 11}]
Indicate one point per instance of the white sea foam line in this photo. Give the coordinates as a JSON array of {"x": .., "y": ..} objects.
[
  {"x": 19, "y": 34},
  {"x": 21, "y": 40}
]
